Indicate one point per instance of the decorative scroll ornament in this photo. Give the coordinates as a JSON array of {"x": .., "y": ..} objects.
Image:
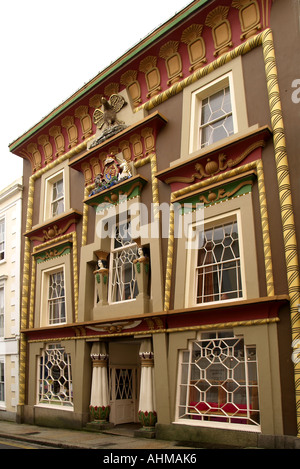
[{"x": 213, "y": 167}]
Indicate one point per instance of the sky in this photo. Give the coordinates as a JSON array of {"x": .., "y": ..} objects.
[{"x": 50, "y": 49}]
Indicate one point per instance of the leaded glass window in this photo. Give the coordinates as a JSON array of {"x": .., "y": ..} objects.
[
  {"x": 218, "y": 271},
  {"x": 55, "y": 377},
  {"x": 57, "y": 204},
  {"x": 123, "y": 284},
  {"x": 216, "y": 121},
  {"x": 56, "y": 298},
  {"x": 218, "y": 380}
]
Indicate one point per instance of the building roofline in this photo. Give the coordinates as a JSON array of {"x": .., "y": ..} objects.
[{"x": 122, "y": 60}]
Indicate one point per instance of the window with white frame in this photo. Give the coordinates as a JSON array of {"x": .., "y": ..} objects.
[
  {"x": 57, "y": 202},
  {"x": 218, "y": 381},
  {"x": 54, "y": 195},
  {"x": 2, "y": 381},
  {"x": 55, "y": 377},
  {"x": 216, "y": 266},
  {"x": 213, "y": 116},
  {"x": 2, "y": 315},
  {"x": 2, "y": 239},
  {"x": 56, "y": 297},
  {"x": 123, "y": 284}
]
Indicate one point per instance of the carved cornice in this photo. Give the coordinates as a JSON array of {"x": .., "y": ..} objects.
[
  {"x": 53, "y": 228},
  {"x": 212, "y": 162}
]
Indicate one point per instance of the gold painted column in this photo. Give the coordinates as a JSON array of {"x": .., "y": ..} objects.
[{"x": 285, "y": 197}]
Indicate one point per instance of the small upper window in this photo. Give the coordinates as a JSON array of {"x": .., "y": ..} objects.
[
  {"x": 55, "y": 197},
  {"x": 215, "y": 118},
  {"x": 212, "y": 113},
  {"x": 57, "y": 203},
  {"x": 2, "y": 239}
]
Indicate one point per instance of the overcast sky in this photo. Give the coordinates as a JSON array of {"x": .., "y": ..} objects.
[{"x": 50, "y": 49}]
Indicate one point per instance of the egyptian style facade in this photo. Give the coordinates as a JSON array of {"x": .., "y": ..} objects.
[
  {"x": 10, "y": 297},
  {"x": 160, "y": 273}
]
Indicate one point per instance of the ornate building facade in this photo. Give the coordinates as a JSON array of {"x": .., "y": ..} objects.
[
  {"x": 10, "y": 297},
  {"x": 160, "y": 273}
]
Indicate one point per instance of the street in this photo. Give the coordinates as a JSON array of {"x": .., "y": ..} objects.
[{"x": 13, "y": 444}]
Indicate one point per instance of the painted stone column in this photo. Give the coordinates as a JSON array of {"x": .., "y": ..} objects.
[
  {"x": 147, "y": 404},
  {"x": 99, "y": 402}
]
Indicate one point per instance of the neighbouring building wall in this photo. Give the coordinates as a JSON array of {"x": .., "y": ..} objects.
[
  {"x": 10, "y": 291},
  {"x": 196, "y": 335}
]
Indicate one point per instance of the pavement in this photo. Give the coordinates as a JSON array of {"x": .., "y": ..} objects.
[{"x": 120, "y": 437}]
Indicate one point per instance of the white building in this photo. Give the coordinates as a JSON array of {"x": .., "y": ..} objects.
[{"x": 10, "y": 294}]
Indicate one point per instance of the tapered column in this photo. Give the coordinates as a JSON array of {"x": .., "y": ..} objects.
[
  {"x": 99, "y": 403},
  {"x": 147, "y": 404}
]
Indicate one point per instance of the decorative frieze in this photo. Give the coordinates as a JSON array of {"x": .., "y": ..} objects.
[
  {"x": 59, "y": 140},
  {"x": 36, "y": 156},
  {"x": 43, "y": 140},
  {"x": 129, "y": 79},
  {"x": 68, "y": 123},
  {"x": 196, "y": 46},
  {"x": 221, "y": 29},
  {"x": 152, "y": 75},
  {"x": 169, "y": 52},
  {"x": 85, "y": 120},
  {"x": 249, "y": 16}
]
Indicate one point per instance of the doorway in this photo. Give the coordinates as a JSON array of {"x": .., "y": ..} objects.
[{"x": 123, "y": 388}]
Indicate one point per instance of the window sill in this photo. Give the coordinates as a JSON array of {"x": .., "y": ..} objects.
[
  {"x": 121, "y": 309},
  {"x": 225, "y": 426},
  {"x": 217, "y": 303},
  {"x": 55, "y": 407}
]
